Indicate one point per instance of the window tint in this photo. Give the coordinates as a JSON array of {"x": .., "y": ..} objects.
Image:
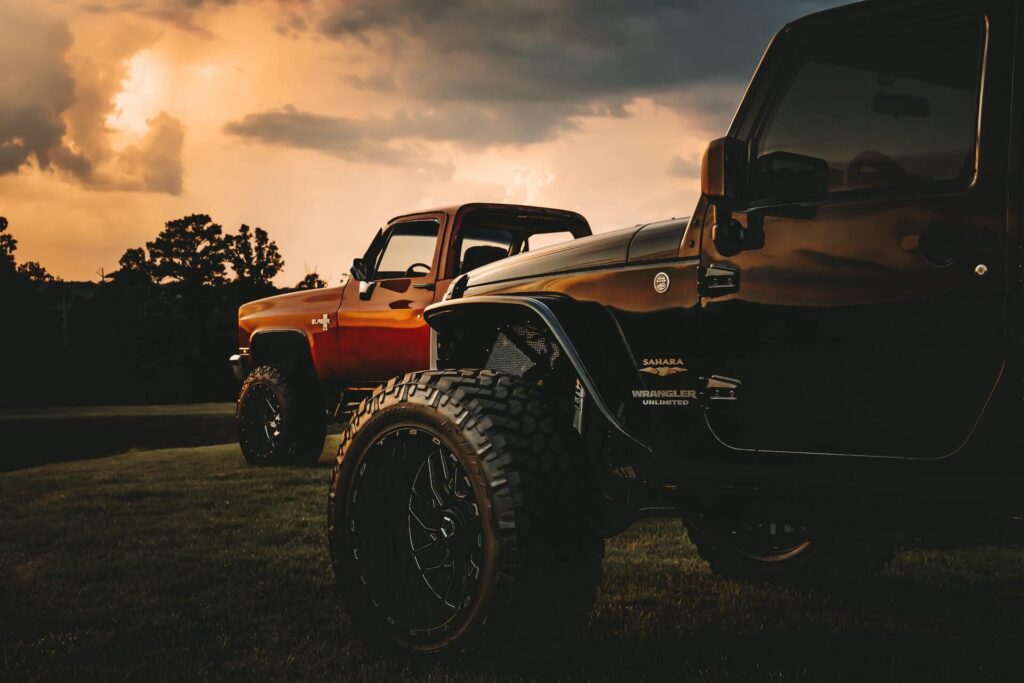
[
  {"x": 893, "y": 109},
  {"x": 408, "y": 244},
  {"x": 480, "y": 246}
]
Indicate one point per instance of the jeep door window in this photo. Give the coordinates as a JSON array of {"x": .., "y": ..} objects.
[
  {"x": 480, "y": 246},
  {"x": 893, "y": 109},
  {"x": 409, "y": 251}
]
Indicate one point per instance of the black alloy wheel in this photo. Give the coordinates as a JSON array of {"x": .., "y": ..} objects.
[
  {"x": 461, "y": 518},
  {"x": 280, "y": 417}
]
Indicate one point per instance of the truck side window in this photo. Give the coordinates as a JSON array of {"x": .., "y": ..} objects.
[
  {"x": 480, "y": 246},
  {"x": 892, "y": 109},
  {"x": 409, "y": 251}
]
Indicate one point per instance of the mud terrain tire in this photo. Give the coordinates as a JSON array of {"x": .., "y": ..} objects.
[
  {"x": 527, "y": 578},
  {"x": 280, "y": 417}
]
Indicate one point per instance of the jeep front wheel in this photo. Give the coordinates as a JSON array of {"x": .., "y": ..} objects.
[
  {"x": 280, "y": 417},
  {"x": 459, "y": 519}
]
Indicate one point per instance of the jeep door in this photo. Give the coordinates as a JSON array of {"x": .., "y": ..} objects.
[
  {"x": 870, "y": 320},
  {"x": 380, "y": 323}
]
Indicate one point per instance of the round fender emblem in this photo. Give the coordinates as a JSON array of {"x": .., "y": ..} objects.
[{"x": 661, "y": 282}]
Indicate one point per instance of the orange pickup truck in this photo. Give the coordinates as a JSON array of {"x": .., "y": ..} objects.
[{"x": 305, "y": 356}]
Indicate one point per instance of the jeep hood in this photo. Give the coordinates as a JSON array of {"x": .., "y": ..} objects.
[{"x": 654, "y": 241}]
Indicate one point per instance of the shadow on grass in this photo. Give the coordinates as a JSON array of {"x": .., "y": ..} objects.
[{"x": 888, "y": 629}]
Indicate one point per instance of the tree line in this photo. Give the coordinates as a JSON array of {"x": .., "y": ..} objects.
[{"x": 158, "y": 329}]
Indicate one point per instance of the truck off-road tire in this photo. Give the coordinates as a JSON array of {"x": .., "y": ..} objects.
[
  {"x": 779, "y": 553},
  {"x": 461, "y": 518},
  {"x": 280, "y": 417}
]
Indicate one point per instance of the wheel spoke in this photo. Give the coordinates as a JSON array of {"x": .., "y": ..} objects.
[
  {"x": 419, "y": 521},
  {"x": 438, "y": 495},
  {"x": 448, "y": 589},
  {"x": 445, "y": 562},
  {"x": 434, "y": 544},
  {"x": 451, "y": 475}
]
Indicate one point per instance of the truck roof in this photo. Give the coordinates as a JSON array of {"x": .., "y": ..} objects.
[{"x": 454, "y": 209}]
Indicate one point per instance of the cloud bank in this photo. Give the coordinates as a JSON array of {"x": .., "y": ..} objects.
[
  {"x": 491, "y": 72},
  {"x": 54, "y": 115}
]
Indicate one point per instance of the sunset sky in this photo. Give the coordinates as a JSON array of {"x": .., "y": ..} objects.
[{"x": 320, "y": 120}]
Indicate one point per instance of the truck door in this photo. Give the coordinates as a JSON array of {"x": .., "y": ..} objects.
[
  {"x": 869, "y": 321},
  {"x": 381, "y": 331}
]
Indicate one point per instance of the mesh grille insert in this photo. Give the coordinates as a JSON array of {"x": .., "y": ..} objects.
[{"x": 521, "y": 347}]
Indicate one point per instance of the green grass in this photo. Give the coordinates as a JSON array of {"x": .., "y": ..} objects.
[{"x": 187, "y": 564}]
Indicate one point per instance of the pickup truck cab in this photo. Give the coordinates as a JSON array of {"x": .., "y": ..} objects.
[{"x": 306, "y": 355}]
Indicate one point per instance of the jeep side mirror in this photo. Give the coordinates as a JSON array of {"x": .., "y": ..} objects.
[
  {"x": 723, "y": 172},
  {"x": 723, "y": 180}
]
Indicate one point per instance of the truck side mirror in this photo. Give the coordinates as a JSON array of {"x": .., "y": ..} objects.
[
  {"x": 723, "y": 172},
  {"x": 358, "y": 270},
  {"x": 362, "y": 276}
]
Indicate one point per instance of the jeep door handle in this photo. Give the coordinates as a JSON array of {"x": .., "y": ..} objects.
[{"x": 720, "y": 279}]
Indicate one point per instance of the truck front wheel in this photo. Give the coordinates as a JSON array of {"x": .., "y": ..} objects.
[
  {"x": 461, "y": 517},
  {"x": 280, "y": 417}
]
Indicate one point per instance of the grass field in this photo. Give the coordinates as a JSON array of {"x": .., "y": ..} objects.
[{"x": 187, "y": 564}]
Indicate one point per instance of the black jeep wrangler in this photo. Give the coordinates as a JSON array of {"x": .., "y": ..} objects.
[{"x": 821, "y": 365}]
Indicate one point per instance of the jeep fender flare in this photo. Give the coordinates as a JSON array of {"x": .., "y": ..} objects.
[{"x": 445, "y": 315}]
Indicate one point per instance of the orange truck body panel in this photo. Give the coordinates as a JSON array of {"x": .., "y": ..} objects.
[{"x": 360, "y": 342}]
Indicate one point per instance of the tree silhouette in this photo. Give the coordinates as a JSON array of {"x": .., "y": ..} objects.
[
  {"x": 311, "y": 281},
  {"x": 135, "y": 268},
  {"x": 8, "y": 245},
  {"x": 35, "y": 272},
  {"x": 189, "y": 250},
  {"x": 253, "y": 255}
]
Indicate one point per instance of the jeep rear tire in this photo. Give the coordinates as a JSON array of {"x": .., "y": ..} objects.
[
  {"x": 280, "y": 417},
  {"x": 461, "y": 517},
  {"x": 777, "y": 552}
]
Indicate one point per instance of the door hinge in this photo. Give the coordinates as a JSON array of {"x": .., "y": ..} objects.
[{"x": 720, "y": 279}]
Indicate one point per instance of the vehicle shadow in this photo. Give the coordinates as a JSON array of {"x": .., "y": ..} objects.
[{"x": 890, "y": 628}]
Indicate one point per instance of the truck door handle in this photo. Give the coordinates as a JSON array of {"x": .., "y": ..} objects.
[
  {"x": 720, "y": 279},
  {"x": 429, "y": 286}
]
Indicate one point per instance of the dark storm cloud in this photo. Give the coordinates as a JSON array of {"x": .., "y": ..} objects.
[
  {"x": 486, "y": 72},
  {"x": 573, "y": 51},
  {"x": 36, "y": 87},
  {"x": 355, "y": 140},
  {"x": 41, "y": 94},
  {"x": 392, "y": 140}
]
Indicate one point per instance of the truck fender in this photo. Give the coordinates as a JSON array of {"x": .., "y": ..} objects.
[{"x": 276, "y": 345}]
